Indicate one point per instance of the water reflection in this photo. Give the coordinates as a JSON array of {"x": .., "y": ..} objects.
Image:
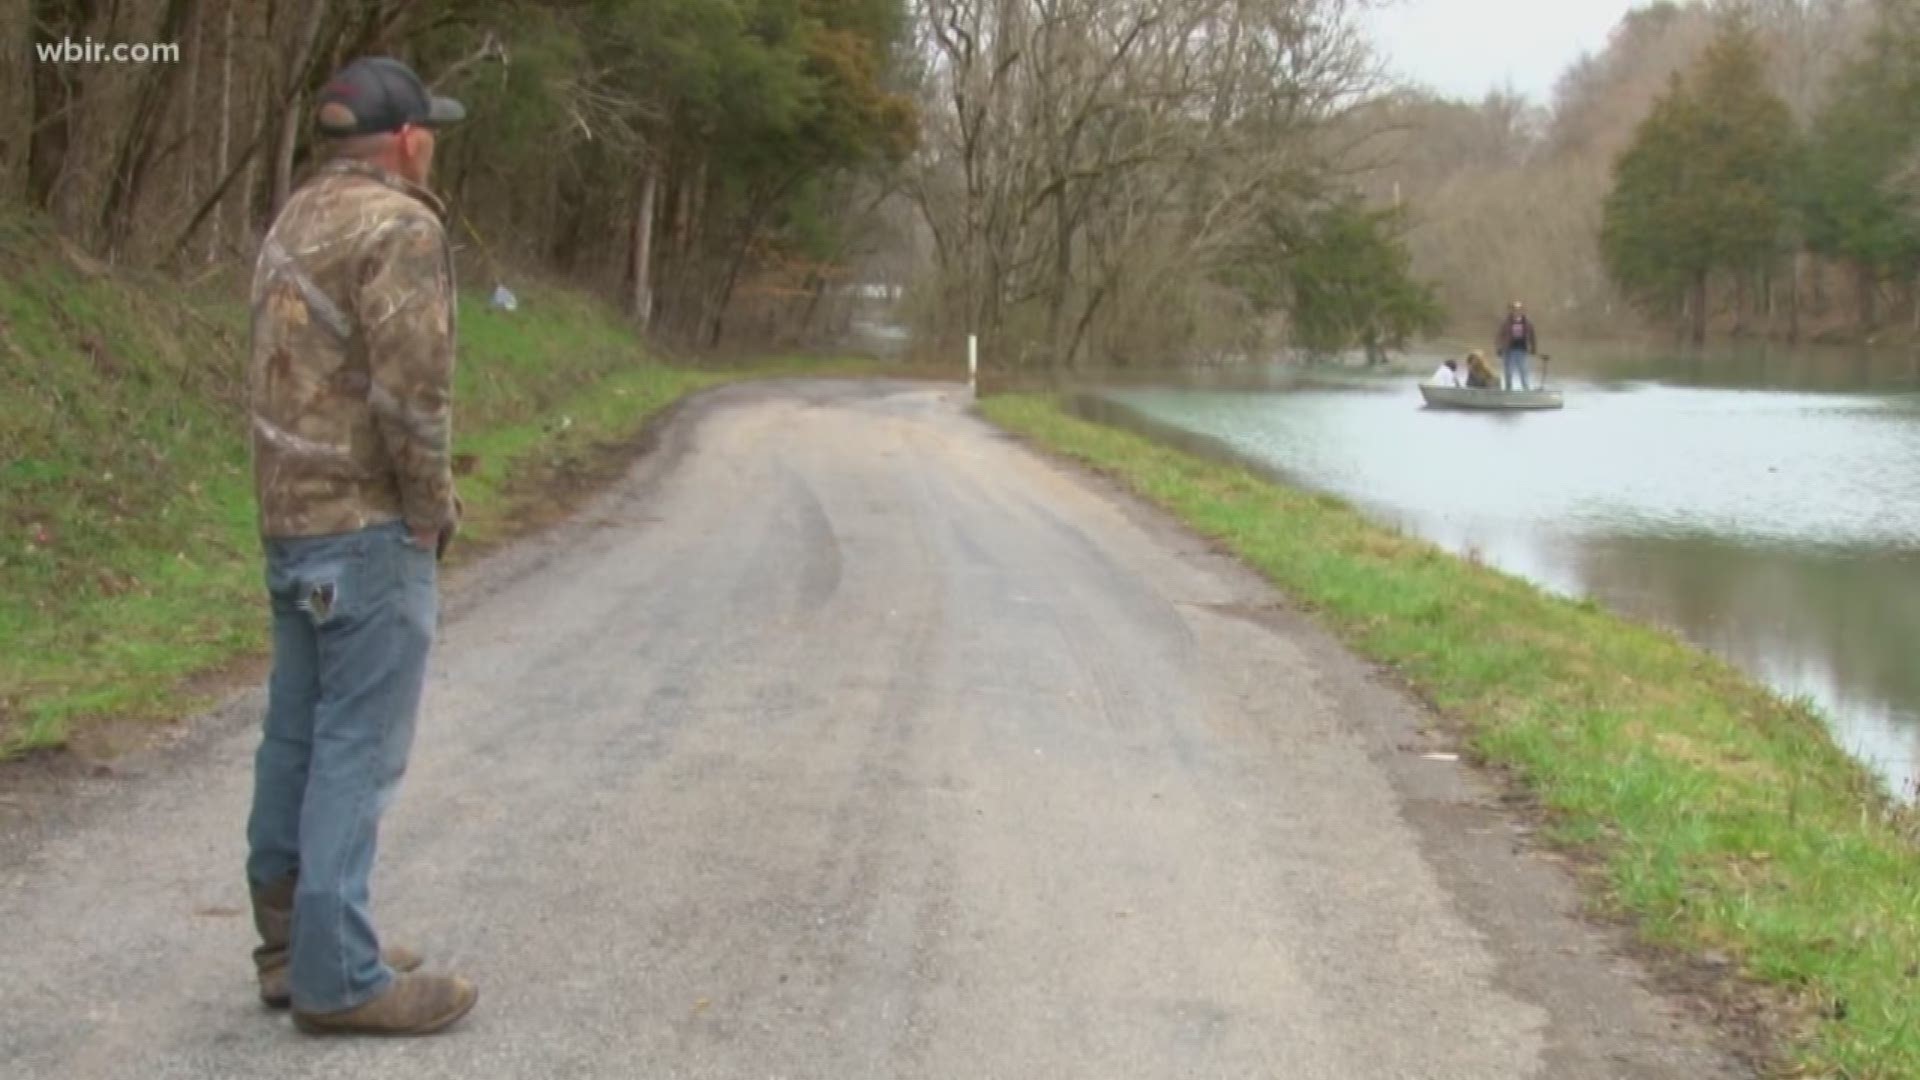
[
  {"x": 1837, "y": 626},
  {"x": 1780, "y": 529}
]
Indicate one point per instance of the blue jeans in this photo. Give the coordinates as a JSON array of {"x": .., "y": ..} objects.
[
  {"x": 353, "y": 620},
  {"x": 1516, "y": 369}
]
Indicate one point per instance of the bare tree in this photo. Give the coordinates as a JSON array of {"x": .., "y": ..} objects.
[
  {"x": 293, "y": 113},
  {"x": 642, "y": 268},
  {"x": 225, "y": 147},
  {"x": 1078, "y": 153},
  {"x": 135, "y": 157},
  {"x": 17, "y": 76}
]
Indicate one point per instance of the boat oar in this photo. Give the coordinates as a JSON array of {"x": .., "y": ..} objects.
[{"x": 1545, "y": 360}]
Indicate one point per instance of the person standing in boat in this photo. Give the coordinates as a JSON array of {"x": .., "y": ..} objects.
[{"x": 1515, "y": 342}]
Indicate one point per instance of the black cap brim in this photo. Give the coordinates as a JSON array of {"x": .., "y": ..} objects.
[{"x": 442, "y": 111}]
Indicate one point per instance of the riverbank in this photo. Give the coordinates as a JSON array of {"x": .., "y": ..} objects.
[
  {"x": 1720, "y": 819},
  {"x": 128, "y": 560}
]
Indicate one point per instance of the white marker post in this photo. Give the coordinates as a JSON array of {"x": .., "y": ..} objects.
[{"x": 973, "y": 364}]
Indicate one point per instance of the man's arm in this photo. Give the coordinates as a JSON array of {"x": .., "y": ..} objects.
[{"x": 406, "y": 315}]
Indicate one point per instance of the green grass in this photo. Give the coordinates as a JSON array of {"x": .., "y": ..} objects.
[
  {"x": 128, "y": 555},
  {"x": 1718, "y": 816}
]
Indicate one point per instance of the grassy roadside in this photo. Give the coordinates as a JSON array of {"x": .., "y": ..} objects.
[
  {"x": 128, "y": 558},
  {"x": 1719, "y": 817}
]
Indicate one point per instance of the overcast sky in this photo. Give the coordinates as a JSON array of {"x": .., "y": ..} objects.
[{"x": 1465, "y": 48}]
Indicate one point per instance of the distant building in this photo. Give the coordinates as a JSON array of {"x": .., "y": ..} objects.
[{"x": 881, "y": 291}]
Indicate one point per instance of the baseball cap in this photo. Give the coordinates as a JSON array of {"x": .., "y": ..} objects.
[{"x": 377, "y": 94}]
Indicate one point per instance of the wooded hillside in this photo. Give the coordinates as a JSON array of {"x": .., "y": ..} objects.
[
  {"x": 1728, "y": 168},
  {"x": 701, "y": 160},
  {"x": 1077, "y": 181}
]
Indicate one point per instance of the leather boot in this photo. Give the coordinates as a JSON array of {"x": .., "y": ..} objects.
[
  {"x": 414, "y": 1005},
  {"x": 273, "y": 918}
]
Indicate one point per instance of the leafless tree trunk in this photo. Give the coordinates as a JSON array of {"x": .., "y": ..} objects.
[
  {"x": 713, "y": 318},
  {"x": 1796, "y": 271},
  {"x": 244, "y": 174},
  {"x": 190, "y": 121},
  {"x": 226, "y": 127},
  {"x": 135, "y": 155},
  {"x": 1866, "y": 284},
  {"x": 58, "y": 92},
  {"x": 642, "y": 269},
  {"x": 250, "y": 182},
  {"x": 16, "y": 85},
  {"x": 1698, "y": 300},
  {"x": 293, "y": 118}
]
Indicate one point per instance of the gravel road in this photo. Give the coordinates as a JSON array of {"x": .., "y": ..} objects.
[{"x": 846, "y": 738}]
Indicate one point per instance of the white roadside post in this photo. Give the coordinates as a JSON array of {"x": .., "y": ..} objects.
[{"x": 973, "y": 364}]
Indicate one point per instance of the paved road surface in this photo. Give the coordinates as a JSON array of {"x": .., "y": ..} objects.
[{"x": 847, "y": 739}]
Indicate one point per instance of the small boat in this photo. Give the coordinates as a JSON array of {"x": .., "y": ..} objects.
[{"x": 1456, "y": 397}]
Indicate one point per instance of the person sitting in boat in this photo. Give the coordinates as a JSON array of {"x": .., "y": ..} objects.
[
  {"x": 1448, "y": 374},
  {"x": 1515, "y": 341},
  {"x": 1479, "y": 375}
]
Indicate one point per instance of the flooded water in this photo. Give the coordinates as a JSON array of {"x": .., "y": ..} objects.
[{"x": 1769, "y": 512}]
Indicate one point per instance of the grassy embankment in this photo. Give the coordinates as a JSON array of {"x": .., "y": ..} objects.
[
  {"x": 1719, "y": 818},
  {"x": 128, "y": 558}
]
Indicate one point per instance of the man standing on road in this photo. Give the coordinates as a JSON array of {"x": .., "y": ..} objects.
[
  {"x": 349, "y": 385},
  {"x": 1515, "y": 342}
]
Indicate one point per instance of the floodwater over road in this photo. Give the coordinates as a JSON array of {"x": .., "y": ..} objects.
[{"x": 1765, "y": 507}]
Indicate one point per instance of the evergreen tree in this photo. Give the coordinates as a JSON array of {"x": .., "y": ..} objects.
[
  {"x": 1857, "y": 194},
  {"x": 1703, "y": 187},
  {"x": 1344, "y": 277}
]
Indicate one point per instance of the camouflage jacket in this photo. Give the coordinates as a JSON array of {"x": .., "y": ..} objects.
[{"x": 349, "y": 379}]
